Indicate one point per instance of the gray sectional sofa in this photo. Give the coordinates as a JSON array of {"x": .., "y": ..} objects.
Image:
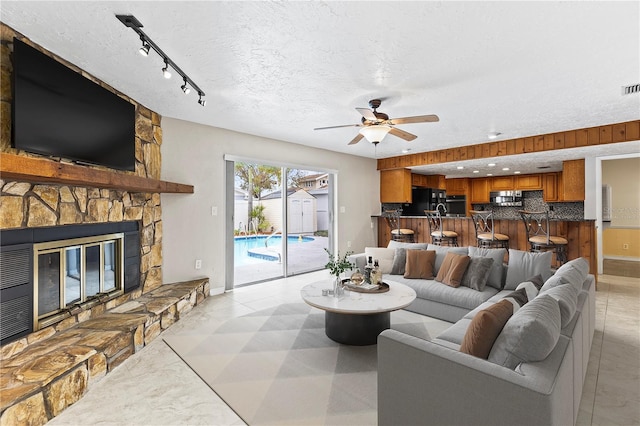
[{"x": 535, "y": 371}]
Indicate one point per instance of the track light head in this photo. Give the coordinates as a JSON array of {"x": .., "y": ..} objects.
[
  {"x": 201, "y": 101},
  {"x": 144, "y": 50},
  {"x": 184, "y": 87},
  {"x": 165, "y": 70}
]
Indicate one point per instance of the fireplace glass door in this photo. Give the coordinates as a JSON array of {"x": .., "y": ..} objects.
[{"x": 74, "y": 271}]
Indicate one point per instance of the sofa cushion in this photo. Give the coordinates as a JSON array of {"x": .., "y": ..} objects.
[
  {"x": 529, "y": 335},
  {"x": 485, "y": 328},
  {"x": 477, "y": 273},
  {"x": 441, "y": 252},
  {"x": 524, "y": 264},
  {"x": 573, "y": 272},
  {"x": 567, "y": 298},
  {"x": 461, "y": 297},
  {"x": 399, "y": 261},
  {"x": 399, "y": 244},
  {"x": 420, "y": 264},
  {"x": 383, "y": 255},
  {"x": 452, "y": 269},
  {"x": 495, "y": 276}
]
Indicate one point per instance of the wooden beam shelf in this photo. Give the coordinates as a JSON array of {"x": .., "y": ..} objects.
[{"x": 38, "y": 170}]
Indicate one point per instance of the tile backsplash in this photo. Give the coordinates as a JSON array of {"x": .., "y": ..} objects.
[{"x": 533, "y": 201}]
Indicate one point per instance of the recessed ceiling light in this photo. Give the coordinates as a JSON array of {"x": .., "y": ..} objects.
[
  {"x": 491, "y": 164},
  {"x": 476, "y": 171},
  {"x": 404, "y": 151},
  {"x": 504, "y": 169},
  {"x": 493, "y": 135},
  {"x": 459, "y": 167},
  {"x": 516, "y": 173},
  {"x": 489, "y": 174}
]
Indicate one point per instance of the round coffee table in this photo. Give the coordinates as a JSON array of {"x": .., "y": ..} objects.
[{"x": 357, "y": 318}]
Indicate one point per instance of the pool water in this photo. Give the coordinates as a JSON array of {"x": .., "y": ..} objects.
[{"x": 242, "y": 245}]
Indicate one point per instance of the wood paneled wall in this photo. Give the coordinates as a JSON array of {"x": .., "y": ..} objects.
[
  {"x": 611, "y": 133},
  {"x": 580, "y": 234}
]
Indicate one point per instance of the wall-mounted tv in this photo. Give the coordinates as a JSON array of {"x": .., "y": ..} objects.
[{"x": 59, "y": 113}]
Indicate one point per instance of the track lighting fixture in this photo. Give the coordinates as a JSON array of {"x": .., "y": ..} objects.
[
  {"x": 148, "y": 44},
  {"x": 144, "y": 50},
  {"x": 165, "y": 71},
  {"x": 184, "y": 87}
]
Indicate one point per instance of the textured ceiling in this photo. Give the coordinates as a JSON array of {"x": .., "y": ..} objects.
[{"x": 280, "y": 69}]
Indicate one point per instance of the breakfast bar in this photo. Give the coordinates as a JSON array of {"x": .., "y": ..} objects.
[{"x": 581, "y": 234}]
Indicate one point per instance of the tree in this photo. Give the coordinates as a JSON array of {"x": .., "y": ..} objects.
[{"x": 255, "y": 179}]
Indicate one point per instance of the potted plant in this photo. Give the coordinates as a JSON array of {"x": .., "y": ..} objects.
[{"x": 337, "y": 265}]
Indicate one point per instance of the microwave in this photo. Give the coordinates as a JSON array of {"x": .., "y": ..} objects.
[{"x": 506, "y": 198}]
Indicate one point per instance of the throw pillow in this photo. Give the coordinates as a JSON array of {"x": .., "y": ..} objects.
[
  {"x": 484, "y": 328},
  {"x": 529, "y": 335},
  {"x": 495, "y": 276},
  {"x": 420, "y": 264},
  {"x": 532, "y": 286},
  {"x": 383, "y": 255},
  {"x": 524, "y": 264},
  {"x": 441, "y": 252},
  {"x": 477, "y": 273},
  {"x": 567, "y": 298},
  {"x": 452, "y": 269},
  {"x": 573, "y": 272},
  {"x": 517, "y": 298},
  {"x": 399, "y": 261},
  {"x": 399, "y": 244}
]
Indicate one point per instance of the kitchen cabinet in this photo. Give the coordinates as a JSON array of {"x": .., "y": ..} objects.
[
  {"x": 480, "y": 191},
  {"x": 458, "y": 186},
  {"x": 573, "y": 180},
  {"x": 428, "y": 181},
  {"x": 502, "y": 183},
  {"x": 552, "y": 187},
  {"x": 419, "y": 181},
  {"x": 529, "y": 182},
  {"x": 395, "y": 186}
]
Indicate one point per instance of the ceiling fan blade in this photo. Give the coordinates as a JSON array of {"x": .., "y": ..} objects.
[
  {"x": 367, "y": 113},
  {"x": 402, "y": 134},
  {"x": 337, "y": 127},
  {"x": 356, "y": 139},
  {"x": 417, "y": 119}
]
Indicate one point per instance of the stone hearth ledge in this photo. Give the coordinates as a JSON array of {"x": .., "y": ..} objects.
[{"x": 40, "y": 381}]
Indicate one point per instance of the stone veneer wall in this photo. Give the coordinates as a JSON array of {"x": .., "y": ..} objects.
[{"x": 27, "y": 205}]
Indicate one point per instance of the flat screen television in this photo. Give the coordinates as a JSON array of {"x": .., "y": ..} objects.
[{"x": 59, "y": 113}]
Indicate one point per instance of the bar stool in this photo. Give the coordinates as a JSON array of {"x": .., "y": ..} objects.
[
  {"x": 485, "y": 235},
  {"x": 393, "y": 220},
  {"x": 537, "y": 227},
  {"x": 439, "y": 237}
]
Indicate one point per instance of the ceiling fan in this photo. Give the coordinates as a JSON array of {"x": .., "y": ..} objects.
[{"x": 375, "y": 125}]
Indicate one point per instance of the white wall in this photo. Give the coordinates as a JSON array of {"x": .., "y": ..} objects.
[{"x": 194, "y": 154}]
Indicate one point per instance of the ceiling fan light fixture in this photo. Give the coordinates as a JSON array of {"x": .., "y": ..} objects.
[{"x": 375, "y": 133}]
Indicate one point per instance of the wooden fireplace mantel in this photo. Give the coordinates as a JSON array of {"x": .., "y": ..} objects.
[{"x": 39, "y": 170}]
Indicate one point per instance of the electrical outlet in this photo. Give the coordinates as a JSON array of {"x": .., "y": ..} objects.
[
  {"x": 625, "y": 246},
  {"x": 214, "y": 211},
  {"x": 348, "y": 244},
  {"x": 198, "y": 263},
  {"x": 342, "y": 209}
]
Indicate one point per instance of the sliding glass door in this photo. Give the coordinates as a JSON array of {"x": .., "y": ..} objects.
[{"x": 280, "y": 219}]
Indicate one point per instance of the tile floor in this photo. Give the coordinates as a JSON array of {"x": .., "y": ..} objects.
[{"x": 154, "y": 387}]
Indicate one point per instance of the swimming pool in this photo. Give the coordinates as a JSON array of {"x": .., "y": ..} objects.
[{"x": 249, "y": 249}]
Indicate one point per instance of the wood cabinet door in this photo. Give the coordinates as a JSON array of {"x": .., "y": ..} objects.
[
  {"x": 529, "y": 182},
  {"x": 550, "y": 187},
  {"x": 502, "y": 183},
  {"x": 480, "y": 190},
  {"x": 395, "y": 186},
  {"x": 573, "y": 180},
  {"x": 456, "y": 186}
]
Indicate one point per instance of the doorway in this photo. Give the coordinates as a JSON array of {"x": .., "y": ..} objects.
[{"x": 279, "y": 220}]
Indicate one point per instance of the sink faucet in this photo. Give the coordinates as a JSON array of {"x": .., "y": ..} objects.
[{"x": 444, "y": 208}]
